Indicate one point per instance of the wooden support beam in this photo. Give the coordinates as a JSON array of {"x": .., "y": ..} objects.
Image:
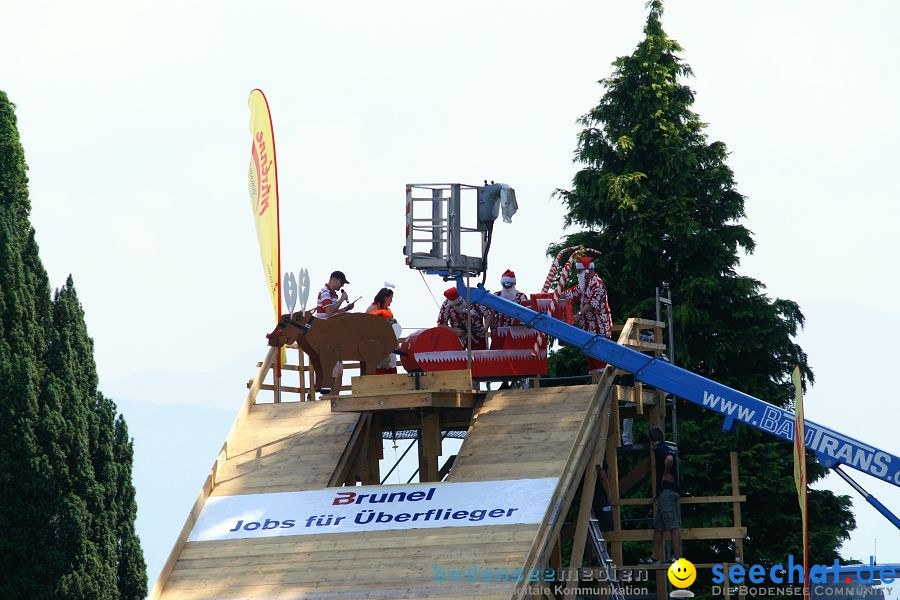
[
  {"x": 374, "y": 451},
  {"x": 634, "y": 477},
  {"x": 429, "y": 445},
  {"x": 639, "y": 396},
  {"x": 736, "y": 505},
  {"x": 351, "y": 452},
  {"x": 612, "y": 459},
  {"x": 588, "y": 488},
  {"x": 403, "y": 399},
  {"x": 703, "y": 533},
  {"x": 270, "y": 387},
  {"x": 431, "y": 381},
  {"x": 687, "y": 500}
]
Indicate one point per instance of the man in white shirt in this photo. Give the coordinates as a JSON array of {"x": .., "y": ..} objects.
[{"x": 328, "y": 304}]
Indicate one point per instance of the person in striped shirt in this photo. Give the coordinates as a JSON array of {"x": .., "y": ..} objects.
[
  {"x": 329, "y": 301},
  {"x": 328, "y": 304}
]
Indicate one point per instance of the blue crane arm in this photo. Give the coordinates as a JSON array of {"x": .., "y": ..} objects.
[{"x": 831, "y": 448}]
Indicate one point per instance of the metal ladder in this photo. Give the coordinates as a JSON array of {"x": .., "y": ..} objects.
[{"x": 606, "y": 562}]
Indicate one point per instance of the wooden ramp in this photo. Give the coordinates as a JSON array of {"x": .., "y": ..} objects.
[{"x": 515, "y": 434}]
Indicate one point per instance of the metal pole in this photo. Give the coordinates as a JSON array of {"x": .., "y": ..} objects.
[
  {"x": 884, "y": 510},
  {"x": 454, "y": 224},
  {"x": 437, "y": 215},
  {"x": 396, "y": 464},
  {"x": 671, "y": 328},
  {"x": 468, "y": 326}
]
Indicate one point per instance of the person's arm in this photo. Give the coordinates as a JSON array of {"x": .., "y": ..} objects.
[
  {"x": 444, "y": 320},
  {"x": 333, "y": 307},
  {"x": 667, "y": 469},
  {"x": 488, "y": 319}
]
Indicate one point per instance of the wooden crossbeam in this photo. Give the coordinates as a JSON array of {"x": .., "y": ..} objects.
[
  {"x": 689, "y": 533},
  {"x": 403, "y": 400},
  {"x": 687, "y": 500}
]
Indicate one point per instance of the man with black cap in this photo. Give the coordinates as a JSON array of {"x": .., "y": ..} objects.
[{"x": 328, "y": 304}]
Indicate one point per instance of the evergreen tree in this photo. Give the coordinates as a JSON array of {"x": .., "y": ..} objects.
[
  {"x": 132, "y": 570},
  {"x": 660, "y": 203},
  {"x": 65, "y": 467},
  {"x": 25, "y": 469}
]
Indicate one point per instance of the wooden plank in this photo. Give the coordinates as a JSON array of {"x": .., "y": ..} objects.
[
  {"x": 429, "y": 445},
  {"x": 432, "y": 381},
  {"x": 704, "y": 533},
  {"x": 627, "y": 394},
  {"x": 325, "y": 552},
  {"x": 685, "y": 500},
  {"x": 284, "y": 388},
  {"x": 381, "y": 384},
  {"x": 635, "y": 476},
  {"x": 614, "y": 490},
  {"x": 641, "y": 346},
  {"x": 588, "y": 490},
  {"x": 403, "y": 400},
  {"x": 351, "y": 451},
  {"x": 460, "y": 380}
]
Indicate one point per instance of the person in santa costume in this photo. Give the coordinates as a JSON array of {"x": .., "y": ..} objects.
[
  {"x": 509, "y": 292},
  {"x": 453, "y": 314},
  {"x": 593, "y": 313}
]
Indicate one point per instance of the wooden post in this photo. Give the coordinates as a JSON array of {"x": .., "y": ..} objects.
[
  {"x": 613, "y": 464},
  {"x": 587, "y": 491},
  {"x": 301, "y": 372},
  {"x": 662, "y": 577},
  {"x": 374, "y": 450},
  {"x": 736, "y": 509},
  {"x": 429, "y": 445}
]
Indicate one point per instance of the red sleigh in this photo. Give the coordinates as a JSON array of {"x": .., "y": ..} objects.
[{"x": 511, "y": 354}]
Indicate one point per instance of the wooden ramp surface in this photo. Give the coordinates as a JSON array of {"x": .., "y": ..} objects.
[{"x": 517, "y": 434}]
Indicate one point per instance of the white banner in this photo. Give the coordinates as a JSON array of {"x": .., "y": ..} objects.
[{"x": 371, "y": 508}]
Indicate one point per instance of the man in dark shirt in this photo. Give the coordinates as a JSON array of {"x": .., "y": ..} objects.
[{"x": 668, "y": 513}]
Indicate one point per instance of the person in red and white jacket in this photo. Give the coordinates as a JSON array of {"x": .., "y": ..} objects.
[
  {"x": 509, "y": 292},
  {"x": 453, "y": 314},
  {"x": 593, "y": 314}
]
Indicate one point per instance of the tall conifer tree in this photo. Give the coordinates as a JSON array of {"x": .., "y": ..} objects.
[
  {"x": 66, "y": 502},
  {"x": 660, "y": 203}
]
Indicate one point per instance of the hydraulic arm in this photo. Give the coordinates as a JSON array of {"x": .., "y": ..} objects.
[{"x": 831, "y": 448}]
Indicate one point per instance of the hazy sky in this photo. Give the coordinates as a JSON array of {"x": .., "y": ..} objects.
[{"x": 134, "y": 120}]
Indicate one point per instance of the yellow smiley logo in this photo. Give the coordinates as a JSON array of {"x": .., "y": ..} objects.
[{"x": 682, "y": 573}]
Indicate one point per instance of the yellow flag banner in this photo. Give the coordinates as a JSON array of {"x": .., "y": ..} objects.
[
  {"x": 263, "y": 185},
  {"x": 800, "y": 469}
]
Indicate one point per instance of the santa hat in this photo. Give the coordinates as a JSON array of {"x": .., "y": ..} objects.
[
  {"x": 585, "y": 262},
  {"x": 508, "y": 278},
  {"x": 453, "y": 296}
]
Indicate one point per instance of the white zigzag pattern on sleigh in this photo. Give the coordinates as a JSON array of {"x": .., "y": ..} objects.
[
  {"x": 517, "y": 332},
  {"x": 444, "y": 356}
]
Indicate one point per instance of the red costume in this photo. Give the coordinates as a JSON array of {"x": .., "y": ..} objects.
[
  {"x": 453, "y": 314},
  {"x": 509, "y": 292},
  {"x": 598, "y": 319}
]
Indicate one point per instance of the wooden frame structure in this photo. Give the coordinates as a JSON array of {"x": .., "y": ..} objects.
[
  {"x": 650, "y": 404},
  {"x": 436, "y": 402}
]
